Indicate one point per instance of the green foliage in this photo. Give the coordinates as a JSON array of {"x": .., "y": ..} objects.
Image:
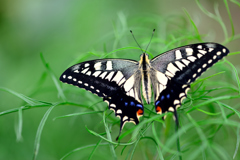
[{"x": 209, "y": 117}]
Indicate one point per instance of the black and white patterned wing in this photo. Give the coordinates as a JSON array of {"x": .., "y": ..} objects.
[
  {"x": 115, "y": 80},
  {"x": 173, "y": 72}
]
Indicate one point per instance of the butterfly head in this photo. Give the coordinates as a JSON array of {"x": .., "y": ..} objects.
[
  {"x": 144, "y": 56},
  {"x": 144, "y": 59}
]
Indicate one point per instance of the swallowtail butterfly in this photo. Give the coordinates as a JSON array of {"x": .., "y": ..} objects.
[{"x": 169, "y": 75}]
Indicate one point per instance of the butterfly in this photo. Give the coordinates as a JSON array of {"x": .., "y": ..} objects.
[{"x": 168, "y": 75}]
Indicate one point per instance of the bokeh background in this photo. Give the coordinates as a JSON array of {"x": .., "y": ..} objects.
[{"x": 67, "y": 32}]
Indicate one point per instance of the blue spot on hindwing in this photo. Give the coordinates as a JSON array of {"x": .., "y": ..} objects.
[
  {"x": 132, "y": 103},
  {"x": 126, "y": 103},
  {"x": 139, "y": 105},
  {"x": 157, "y": 103},
  {"x": 162, "y": 97},
  {"x": 168, "y": 96}
]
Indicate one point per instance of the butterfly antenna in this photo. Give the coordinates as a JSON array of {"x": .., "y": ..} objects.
[
  {"x": 150, "y": 39},
  {"x": 136, "y": 41}
]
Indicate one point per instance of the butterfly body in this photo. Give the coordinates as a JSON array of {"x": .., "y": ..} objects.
[
  {"x": 169, "y": 75},
  {"x": 146, "y": 80}
]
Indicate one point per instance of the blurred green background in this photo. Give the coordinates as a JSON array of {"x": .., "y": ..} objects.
[{"x": 67, "y": 32}]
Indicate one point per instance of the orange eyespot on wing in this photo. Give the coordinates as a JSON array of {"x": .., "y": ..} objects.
[
  {"x": 159, "y": 110},
  {"x": 139, "y": 112}
]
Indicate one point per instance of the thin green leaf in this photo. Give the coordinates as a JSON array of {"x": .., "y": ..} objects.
[
  {"x": 28, "y": 100},
  {"x": 98, "y": 135},
  {"x": 220, "y": 21},
  {"x": 232, "y": 109},
  {"x": 236, "y": 2},
  {"x": 55, "y": 80},
  {"x": 109, "y": 137},
  {"x": 82, "y": 148},
  {"x": 159, "y": 142},
  {"x": 194, "y": 26},
  {"x": 137, "y": 128},
  {"x": 124, "y": 48},
  {"x": 94, "y": 149},
  {"x": 230, "y": 18},
  {"x": 134, "y": 148},
  {"x": 77, "y": 114},
  {"x": 237, "y": 142},
  {"x": 222, "y": 154},
  {"x": 212, "y": 100},
  {"x": 234, "y": 53},
  {"x": 20, "y": 124},
  {"x": 208, "y": 113},
  {"x": 216, "y": 17},
  {"x": 204, "y": 142},
  {"x": 203, "y": 79},
  {"x": 39, "y": 132},
  {"x": 236, "y": 75},
  {"x": 44, "y": 104}
]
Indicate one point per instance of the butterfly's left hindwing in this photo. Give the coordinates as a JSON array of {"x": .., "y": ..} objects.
[
  {"x": 125, "y": 107},
  {"x": 109, "y": 79}
]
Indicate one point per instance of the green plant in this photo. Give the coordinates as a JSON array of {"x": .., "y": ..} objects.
[{"x": 209, "y": 113}]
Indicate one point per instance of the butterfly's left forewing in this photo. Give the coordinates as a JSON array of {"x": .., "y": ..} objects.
[
  {"x": 112, "y": 79},
  {"x": 173, "y": 72}
]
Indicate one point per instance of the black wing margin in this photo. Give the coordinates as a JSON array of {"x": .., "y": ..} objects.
[{"x": 182, "y": 66}]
